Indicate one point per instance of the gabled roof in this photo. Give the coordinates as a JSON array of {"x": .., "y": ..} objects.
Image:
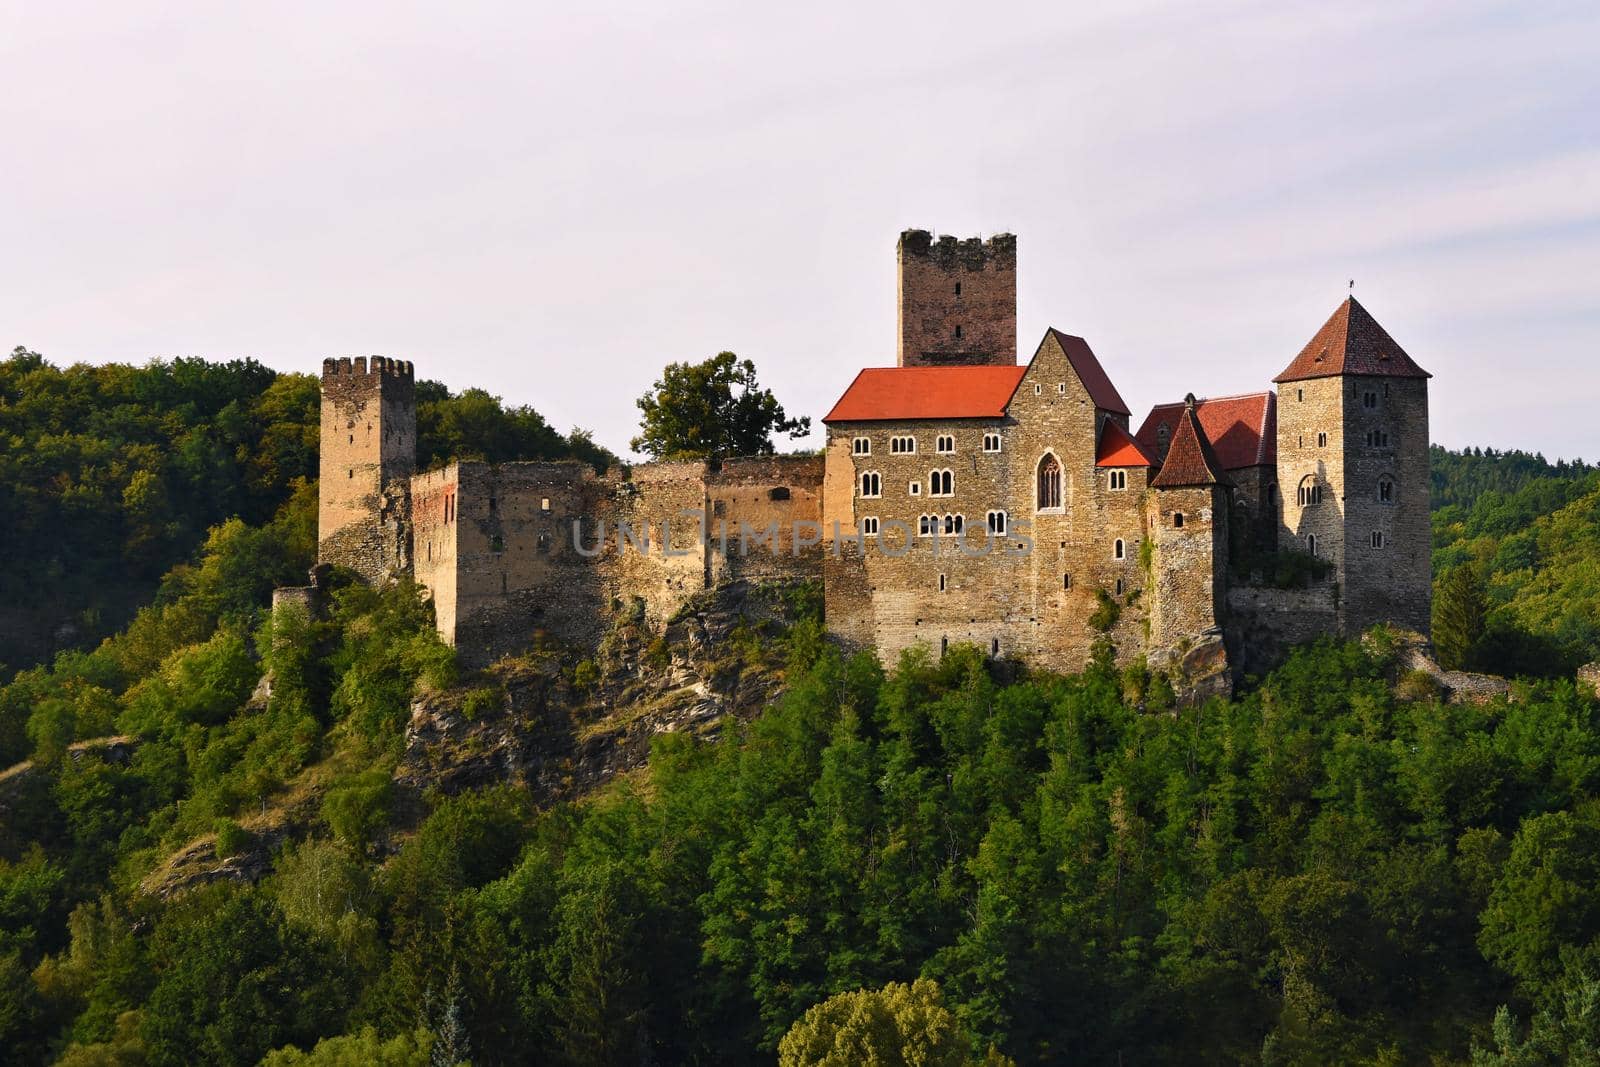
[
  {"x": 1118, "y": 449},
  {"x": 900, "y": 393},
  {"x": 1351, "y": 342},
  {"x": 1089, "y": 371},
  {"x": 1243, "y": 430},
  {"x": 1191, "y": 461}
]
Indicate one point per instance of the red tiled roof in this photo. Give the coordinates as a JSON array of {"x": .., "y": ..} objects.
[
  {"x": 1351, "y": 342},
  {"x": 1242, "y": 429},
  {"x": 1089, "y": 371},
  {"x": 1117, "y": 449},
  {"x": 1190, "y": 458},
  {"x": 897, "y": 393}
]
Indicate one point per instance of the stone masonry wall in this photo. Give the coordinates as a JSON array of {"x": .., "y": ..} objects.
[
  {"x": 1263, "y": 621},
  {"x": 517, "y": 552},
  {"x": 958, "y": 300},
  {"x": 1391, "y": 581},
  {"x": 1311, "y": 452},
  {"x": 1188, "y": 576},
  {"x": 1033, "y": 593}
]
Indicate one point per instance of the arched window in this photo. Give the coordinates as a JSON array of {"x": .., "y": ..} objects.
[
  {"x": 1311, "y": 544},
  {"x": 871, "y": 483},
  {"x": 1049, "y": 482},
  {"x": 1386, "y": 490},
  {"x": 1310, "y": 492},
  {"x": 1119, "y": 550}
]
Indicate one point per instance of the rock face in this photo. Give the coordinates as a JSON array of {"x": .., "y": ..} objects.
[
  {"x": 1589, "y": 678},
  {"x": 561, "y": 731}
]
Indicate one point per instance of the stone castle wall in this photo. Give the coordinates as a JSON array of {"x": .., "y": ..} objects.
[{"x": 520, "y": 552}]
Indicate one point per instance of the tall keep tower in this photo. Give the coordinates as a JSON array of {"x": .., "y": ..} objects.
[
  {"x": 1353, "y": 469},
  {"x": 369, "y": 449},
  {"x": 958, "y": 300}
]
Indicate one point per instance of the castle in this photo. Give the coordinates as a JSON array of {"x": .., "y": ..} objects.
[{"x": 961, "y": 497}]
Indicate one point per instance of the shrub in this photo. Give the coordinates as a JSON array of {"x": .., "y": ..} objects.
[
  {"x": 232, "y": 838},
  {"x": 586, "y": 676},
  {"x": 358, "y": 811},
  {"x": 1417, "y": 687},
  {"x": 1106, "y": 615}
]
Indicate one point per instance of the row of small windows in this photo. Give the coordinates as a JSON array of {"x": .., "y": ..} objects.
[
  {"x": 1373, "y": 438},
  {"x": 1310, "y": 492},
  {"x": 1376, "y": 540},
  {"x": 942, "y": 483},
  {"x": 944, "y": 444}
]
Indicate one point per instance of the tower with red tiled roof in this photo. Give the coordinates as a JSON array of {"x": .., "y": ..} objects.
[
  {"x": 958, "y": 300},
  {"x": 1353, "y": 469}
]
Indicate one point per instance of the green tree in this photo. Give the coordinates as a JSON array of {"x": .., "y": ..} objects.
[
  {"x": 897, "y": 1026},
  {"x": 234, "y": 981},
  {"x": 712, "y": 409},
  {"x": 1458, "y": 616},
  {"x": 364, "y": 1048}
]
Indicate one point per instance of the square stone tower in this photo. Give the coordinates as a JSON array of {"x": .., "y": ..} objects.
[
  {"x": 369, "y": 449},
  {"x": 1353, "y": 469},
  {"x": 958, "y": 300}
]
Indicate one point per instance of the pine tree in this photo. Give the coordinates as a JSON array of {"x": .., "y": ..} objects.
[{"x": 1458, "y": 616}]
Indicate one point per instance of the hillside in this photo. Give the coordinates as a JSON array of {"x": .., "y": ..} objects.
[
  {"x": 112, "y": 475},
  {"x": 1529, "y": 534},
  {"x": 235, "y": 834}
]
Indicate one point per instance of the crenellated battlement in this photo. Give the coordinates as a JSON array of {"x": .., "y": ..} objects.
[
  {"x": 974, "y": 253},
  {"x": 380, "y": 365}
]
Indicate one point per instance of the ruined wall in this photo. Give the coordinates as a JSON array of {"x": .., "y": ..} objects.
[
  {"x": 435, "y": 497},
  {"x": 780, "y": 493},
  {"x": 368, "y": 450},
  {"x": 503, "y": 563},
  {"x": 958, "y": 300},
  {"x": 519, "y": 553},
  {"x": 664, "y": 501}
]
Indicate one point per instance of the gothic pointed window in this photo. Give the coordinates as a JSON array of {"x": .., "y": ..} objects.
[{"x": 1049, "y": 482}]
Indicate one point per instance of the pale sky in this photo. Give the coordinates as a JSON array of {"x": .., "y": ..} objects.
[{"x": 553, "y": 201}]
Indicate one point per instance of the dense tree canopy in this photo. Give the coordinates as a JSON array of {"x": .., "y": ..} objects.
[
  {"x": 1522, "y": 536},
  {"x": 712, "y": 409}
]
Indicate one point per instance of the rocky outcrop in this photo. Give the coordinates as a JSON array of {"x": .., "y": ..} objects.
[
  {"x": 561, "y": 728},
  {"x": 1414, "y": 656},
  {"x": 1589, "y": 679}
]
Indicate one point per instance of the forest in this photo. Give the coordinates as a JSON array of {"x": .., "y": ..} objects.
[{"x": 952, "y": 862}]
